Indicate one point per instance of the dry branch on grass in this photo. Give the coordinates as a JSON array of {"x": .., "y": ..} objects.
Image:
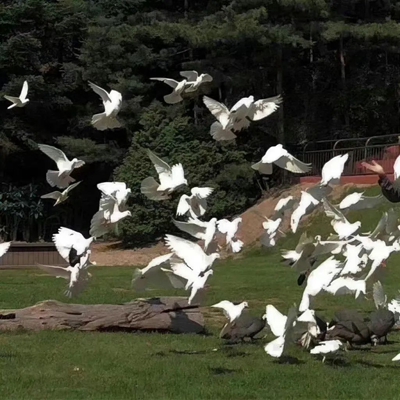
[{"x": 165, "y": 314}]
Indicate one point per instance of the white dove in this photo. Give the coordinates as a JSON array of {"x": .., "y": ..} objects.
[
  {"x": 196, "y": 204},
  {"x": 155, "y": 275},
  {"x": 171, "y": 178},
  {"x": 4, "y": 248},
  {"x": 333, "y": 169},
  {"x": 178, "y": 89},
  {"x": 318, "y": 280},
  {"x": 112, "y": 102},
  {"x": 194, "y": 80},
  {"x": 339, "y": 222},
  {"x": 117, "y": 190},
  {"x": 357, "y": 201},
  {"x": 231, "y": 311},
  {"x": 282, "y": 158},
  {"x": 71, "y": 245},
  {"x": 230, "y": 228},
  {"x": 60, "y": 178},
  {"x": 58, "y": 196},
  {"x": 306, "y": 205},
  {"x": 327, "y": 347},
  {"x": 107, "y": 217},
  {"x": 199, "y": 229},
  {"x": 78, "y": 277},
  {"x": 20, "y": 101},
  {"x": 191, "y": 253}
]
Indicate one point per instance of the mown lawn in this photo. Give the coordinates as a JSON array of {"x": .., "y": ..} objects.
[{"x": 72, "y": 365}]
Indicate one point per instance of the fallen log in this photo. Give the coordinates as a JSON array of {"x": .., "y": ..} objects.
[{"x": 165, "y": 314}]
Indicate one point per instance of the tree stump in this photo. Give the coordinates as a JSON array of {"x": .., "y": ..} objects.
[{"x": 165, "y": 314}]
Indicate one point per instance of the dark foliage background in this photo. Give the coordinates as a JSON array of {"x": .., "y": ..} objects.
[{"x": 335, "y": 62}]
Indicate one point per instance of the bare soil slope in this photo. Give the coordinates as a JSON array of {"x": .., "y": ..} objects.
[{"x": 110, "y": 254}]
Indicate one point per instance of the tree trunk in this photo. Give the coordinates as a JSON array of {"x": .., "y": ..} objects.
[
  {"x": 279, "y": 87},
  {"x": 165, "y": 314},
  {"x": 343, "y": 77}
]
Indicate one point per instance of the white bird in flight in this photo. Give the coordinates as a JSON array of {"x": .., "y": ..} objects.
[
  {"x": 4, "y": 248},
  {"x": 78, "y": 276},
  {"x": 194, "y": 80},
  {"x": 116, "y": 190},
  {"x": 333, "y": 169},
  {"x": 282, "y": 158},
  {"x": 155, "y": 275},
  {"x": 107, "y": 217},
  {"x": 196, "y": 203},
  {"x": 58, "y": 196},
  {"x": 231, "y": 311},
  {"x": 199, "y": 229},
  {"x": 60, "y": 178},
  {"x": 339, "y": 222},
  {"x": 71, "y": 245},
  {"x": 20, "y": 101},
  {"x": 230, "y": 228},
  {"x": 171, "y": 178},
  {"x": 112, "y": 102},
  {"x": 178, "y": 89},
  {"x": 357, "y": 201}
]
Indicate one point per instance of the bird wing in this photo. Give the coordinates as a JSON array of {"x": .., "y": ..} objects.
[
  {"x": 396, "y": 168},
  {"x": 219, "y": 110},
  {"x": 276, "y": 320},
  {"x": 71, "y": 187},
  {"x": 224, "y": 225},
  {"x": 201, "y": 192},
  {"x": 178, "y": 173},
  {"x": 24, "y": 91},
  {"x": 265, "y": 107},
  {"x": 109, "y": 188},
  {"x": 53, "y": 195},
  {"x": 101, "y": 92},
  {"x": 12, "y": 99},
  {"x": 170, "y": 82},
  {"x": 55, "y": 154},
  {"x": 55, "y": 270},
  {"x": 4, "y": 248},
  {"x": 157, "y": 263},
  {"x": 292, "y": 164},
  {"x": 333, "y": 212},
  {"x": 193, "y": 228},
  {"x": 226, "y": 306},
  {"x": 378, "y": 294},
  {"x": 65, "y": 239},
  {"x": 161, "y": 166},
  {"x": 183, "y": 205},
  {"x": 190, "y": 252},
  {"x": 191, "y": 76}
]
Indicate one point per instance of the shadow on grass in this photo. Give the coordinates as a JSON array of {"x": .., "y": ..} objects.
[
  {"x": 289, "y": 360},
  {"x": 222, "y": 371},
  {"x": 369, "y": 364}
]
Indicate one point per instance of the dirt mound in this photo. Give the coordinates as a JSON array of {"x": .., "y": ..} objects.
[{"x": 250, "y": 230}]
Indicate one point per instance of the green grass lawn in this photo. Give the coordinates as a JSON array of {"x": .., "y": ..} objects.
[{"x": 73, "y": 365}]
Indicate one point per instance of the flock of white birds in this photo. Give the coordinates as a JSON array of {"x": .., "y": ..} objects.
[{"x": 354, "y": 259}]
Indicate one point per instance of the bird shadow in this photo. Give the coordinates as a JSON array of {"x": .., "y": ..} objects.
[
  {"x": 338, "y": 363},
  {"x": 7, "y": 355},
  {"x": 231, "y": 351},
  {"x": 189, "y": 352},
  {"x": 222, "y": 371},
  {"x": 289, "y": 360},
  {"x": 373, "y": 365}
]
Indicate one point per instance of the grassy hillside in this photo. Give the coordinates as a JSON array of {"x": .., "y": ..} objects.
[{"x": 71, "y": 365}]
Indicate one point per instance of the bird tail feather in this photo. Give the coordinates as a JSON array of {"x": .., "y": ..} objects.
[{"x": 102, "y": 122}]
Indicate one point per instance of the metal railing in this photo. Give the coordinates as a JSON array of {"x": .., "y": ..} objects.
[{"x": 363, "y": 149}]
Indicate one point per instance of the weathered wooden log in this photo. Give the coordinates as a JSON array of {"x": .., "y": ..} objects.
[{"x": 165, "y": 314}]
